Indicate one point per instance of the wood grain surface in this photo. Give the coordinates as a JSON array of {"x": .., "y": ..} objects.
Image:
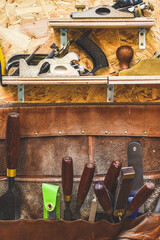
[{"x": 20, "y": 16}]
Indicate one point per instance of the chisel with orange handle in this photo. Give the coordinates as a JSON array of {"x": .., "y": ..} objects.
[
  {"x": 112, "y": 175},
  {"x": 84, "y": 186},
  {"x": 141, "y": 196},
  {"x": 103, "y": 197},
  {"x": 67, "y": 184}
]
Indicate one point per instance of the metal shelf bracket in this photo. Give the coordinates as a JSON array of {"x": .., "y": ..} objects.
[
  {"x": 63, "y": 37},
  {"x": 21, "y": 93},
  {"x": 110, "y": 92},
  {"x": 142, "y": 38}
]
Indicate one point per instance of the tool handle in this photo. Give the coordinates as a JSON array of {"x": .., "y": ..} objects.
[
  {"x": 93, "y": 50},
  {"x": 112, "y": 175},
  {"x": 123, "y": 190},
  {"x": 67, "y": 176},
  {"x": 12, "y": 143},
  {"x": 85, "y": 182},
  {"x": 125, "y": 55},
  {"x": 142, "y": 195},
  {"x": 103, "y": 197}
]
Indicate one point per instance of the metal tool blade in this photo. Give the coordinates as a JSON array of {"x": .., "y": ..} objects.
[
  {"x": 135, "y": 159},
  {"x": 10, "y": 206}
]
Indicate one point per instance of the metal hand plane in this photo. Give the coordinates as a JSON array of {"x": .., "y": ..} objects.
[
  {"x": 102, "y": 11},
  {"x": 121, "y": 9},
  {"x": 57, "y": 67}
]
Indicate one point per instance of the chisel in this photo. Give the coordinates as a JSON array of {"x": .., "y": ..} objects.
[
  {"x": 84, "y": 186},
  {"x": 67, "y": 184},
  {"x": 112, "y": 175},
  {"x": 141, "y": 196},
  {"x": 9, "y": 202},
  {"x": 123, "y": 190},
  {"x": 103, "y": 197}
]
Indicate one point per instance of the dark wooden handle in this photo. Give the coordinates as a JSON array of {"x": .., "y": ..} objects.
[
  {"x": 142, "y": 195},
  {"x": 125, "y": 55},
  {"x": 85, "y": 182},
  {"x": 103, "y": 197},
  {"x": 112, "y": 175},
  {"x": 12, "y": 140},
  {"x": 67, "y": 175}
]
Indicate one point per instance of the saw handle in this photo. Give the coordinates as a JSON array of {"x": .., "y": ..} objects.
[
  {"x": 12, "y": 143},
  {"x": 67, "y": 175},
  {"x": 125, "y": 55},
  {"x": 141, "y": 196},
  {"x": 112, "y": 175},
  {"x": 85, "y": 182}
]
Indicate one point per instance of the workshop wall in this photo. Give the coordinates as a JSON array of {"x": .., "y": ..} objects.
[{"x": 24, "y": 26}]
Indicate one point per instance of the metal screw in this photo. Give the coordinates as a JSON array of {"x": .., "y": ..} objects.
[
  {"x": 134, "y": 149},
  {"x": 60, "y": 132},
  {"x": 145, "y": 132},
  {"x": 106, "y": 132},
  {"x": 125, "y": 132},
  {"x": 83, "y": 132},
  {"x": 36, "y": 134}
]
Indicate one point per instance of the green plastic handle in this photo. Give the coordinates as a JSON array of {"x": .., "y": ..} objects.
[{"x": 51, "y": 200}]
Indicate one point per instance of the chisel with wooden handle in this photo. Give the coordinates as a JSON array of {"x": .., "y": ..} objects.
[
  {"x": 112, "y": 175},
  {"x": 9, "y": 202},
  {"x": 103, "y": 197},
  {"x": 67, "y": 184},
  {"x": 141, "y": 196},
  {"x": 84, "y": 186},
  {"x": 123, "y": 190}
]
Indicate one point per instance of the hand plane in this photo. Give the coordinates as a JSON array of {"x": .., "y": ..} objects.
[
  {"x": 57, "y": 67},
  {"x": 133, "y": 6},
  {"x": 121, "y": 9},
  {"x": 102, "y": 11}
]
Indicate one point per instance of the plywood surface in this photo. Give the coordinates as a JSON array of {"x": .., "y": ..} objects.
[{"x": 28, "y": 17}]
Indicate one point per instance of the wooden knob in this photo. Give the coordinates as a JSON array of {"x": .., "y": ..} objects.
[
  {"x": 125, "y": 55},
  {"x": 80, "y": 7}
]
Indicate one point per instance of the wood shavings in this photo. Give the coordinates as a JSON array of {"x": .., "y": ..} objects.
[{"x": 15, "y": 38}]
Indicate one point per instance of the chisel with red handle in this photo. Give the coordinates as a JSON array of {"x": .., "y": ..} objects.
[
  {"x": 141, "y": 196},
  {"x": 84, "y": 186},
  {"x": 67, "y": 184},
  {"x": 103, "y": 197},
  {"x": 122, "y": 191},
  {"x": 112, "y": 175},
  {"x": 9, "y": 202}
]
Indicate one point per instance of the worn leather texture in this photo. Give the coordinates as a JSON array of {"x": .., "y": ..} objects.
[{"x": 143, "y": 228}]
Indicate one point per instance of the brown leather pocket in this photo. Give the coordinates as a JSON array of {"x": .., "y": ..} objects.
[{"x": 144, "y": 227}]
